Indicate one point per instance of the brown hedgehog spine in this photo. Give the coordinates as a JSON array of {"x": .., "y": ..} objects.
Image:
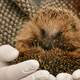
[{"x": 35, "y": 41}]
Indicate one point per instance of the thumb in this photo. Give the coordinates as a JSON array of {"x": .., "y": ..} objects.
[{"x": 18, "y": 71}]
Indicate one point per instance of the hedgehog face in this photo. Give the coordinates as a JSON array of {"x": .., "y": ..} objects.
[
  {"x": 49, "y": 29},
  {"x": 62, "y": 29}
]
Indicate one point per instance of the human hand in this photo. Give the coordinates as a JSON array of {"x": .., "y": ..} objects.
[{"x": 27, "y": 70}]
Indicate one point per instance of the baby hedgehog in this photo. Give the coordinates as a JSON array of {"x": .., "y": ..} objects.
[{"x": 52, "y": 37}]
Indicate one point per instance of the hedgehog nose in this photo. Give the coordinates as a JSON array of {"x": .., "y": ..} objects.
[
  {"x": 47, "y": 45},
  {"x": 58, "y": 34}
]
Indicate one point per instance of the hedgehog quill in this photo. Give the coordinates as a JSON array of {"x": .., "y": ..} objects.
[{"x": 52, "y": 37}]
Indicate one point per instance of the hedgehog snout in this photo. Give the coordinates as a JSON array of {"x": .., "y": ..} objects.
[
  {"x": 49, "y": 41},
  {"x": 47, "y": 45}
]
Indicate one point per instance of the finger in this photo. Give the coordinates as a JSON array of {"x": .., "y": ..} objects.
[
  {"x": 51, "y": 77},
  {"x": 39, "y": 75},
  {"x": 76, "y": 75},
  {"x": 3, "y": 64},
  {"x": 18, "y": 71},
  {"x": 8, "y": 53},
  {"x": 64, "y": 76}
]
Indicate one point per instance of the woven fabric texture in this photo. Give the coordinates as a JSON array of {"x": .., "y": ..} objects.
[
  {"x": 27, "y": 6},
  {"x": 73, "y": 5},
  {"x": 11, "y": 19}
]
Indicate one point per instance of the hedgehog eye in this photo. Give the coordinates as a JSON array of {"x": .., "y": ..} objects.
[
  {"x": 43, "y": 33},
  {"x": 73, "y": 27}
]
